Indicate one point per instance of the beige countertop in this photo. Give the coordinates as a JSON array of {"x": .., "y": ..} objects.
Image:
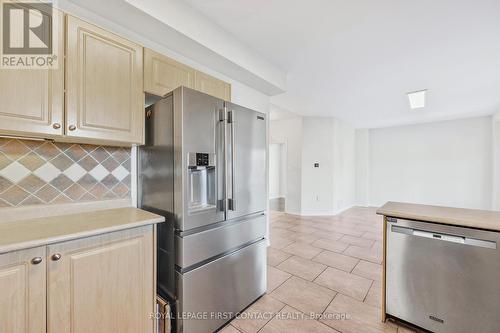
[
  {"x": 473, "y": 218},
  {"x": 21, "y": 234}
]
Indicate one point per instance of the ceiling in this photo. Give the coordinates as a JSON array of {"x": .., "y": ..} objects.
[{"x": 356, "y": 59}]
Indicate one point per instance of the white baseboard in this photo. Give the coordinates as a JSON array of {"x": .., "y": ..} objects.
[{"x": 325, "y": 213}]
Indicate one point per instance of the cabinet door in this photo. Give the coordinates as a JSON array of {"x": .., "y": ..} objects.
[
  {"x": 162, "y": 74},
  {"x": 23, "y": 291},
  {"x": 102, "y": 284},
  {"x": 212, "y": 86},
  {"x": 104, "y": 90},
  {"x": 32, "y": 101}
]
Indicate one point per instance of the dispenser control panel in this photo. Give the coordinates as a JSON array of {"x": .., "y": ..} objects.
[{"x": 202, "y": 159}]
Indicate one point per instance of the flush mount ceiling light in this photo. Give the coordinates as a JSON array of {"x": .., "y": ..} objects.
[{"x": 417, "y": 99}]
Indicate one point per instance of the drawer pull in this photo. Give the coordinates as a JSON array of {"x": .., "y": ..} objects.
[
  {"x": 56, "y": 126},
  {"x": 56, "y": 257},
  {"x": 72, "y": 127},
  {"x": 36, "y": 260}
]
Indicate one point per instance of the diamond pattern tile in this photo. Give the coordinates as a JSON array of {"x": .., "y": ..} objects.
[
  {"x": 47, "y": 172},
  {"x": 110, "y": 181},
  {"x": 4, "y": 161},
  {"x": 127, "y": 180},
  {"x": 47, "y": 193},
  {"x": 14, "y": 149},
  {"x": 100, "y": 154},
  {"x": 121, "y": 190},
  {"x": 127, "y": 165},
  {"x": 48, "y": 151},
  {"x": 15, "y": 172},
  {"x": 39, "y": 172},
  {"x": 88, "y": 163},
  {"x": 31, "y": 200},
  {"x": 98, "y": 191},
  {"x": 121, "y": 155},
  {"x": 110, "y": 164},
  {"x": 75, "y": 172},
  {"x": 120, "y": 173},
  {"x": 4, "y": 184},
  {"x": 62, "y": 161},
  {"x": 99, "y": 172},
  {"x": 61, "y": 182},
  {"x": 32, "y": 161},
  {"x": 87, "y": 182},
  {"x": 14, "y": 195},
  {"x": 75, "y": 192},
  {"x": 32, "y": 183},
  {"x": 3, "y": 141},
  {"x": 75, "y": 152}
]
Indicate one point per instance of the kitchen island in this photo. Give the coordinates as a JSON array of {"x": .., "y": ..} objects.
[{"x": 440, "y": 267}]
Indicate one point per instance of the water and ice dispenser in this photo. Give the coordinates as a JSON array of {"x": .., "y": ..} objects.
[{"x": 202, "y": 182}]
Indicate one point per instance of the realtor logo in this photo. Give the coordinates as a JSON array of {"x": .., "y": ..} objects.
[{"x": 28, "y": 35}]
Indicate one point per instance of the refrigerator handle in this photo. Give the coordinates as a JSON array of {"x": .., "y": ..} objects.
[
  {"x": 231, "y": 203},
  {"x": 222, "y": 128}
]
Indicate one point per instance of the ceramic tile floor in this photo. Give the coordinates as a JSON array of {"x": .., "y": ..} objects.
[{"x": 324, "y": 276}]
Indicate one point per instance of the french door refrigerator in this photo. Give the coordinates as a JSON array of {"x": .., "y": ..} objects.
[{"x": 204, "y": 168}]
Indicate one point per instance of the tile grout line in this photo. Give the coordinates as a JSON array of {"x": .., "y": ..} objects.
[{"x": 371, "y": 285}]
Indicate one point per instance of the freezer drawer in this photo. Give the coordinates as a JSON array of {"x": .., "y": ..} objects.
[
  {"x": 443, "y": 278},
  {"x": 195, "y": 248},
  {"x": 218, "y": 290}
]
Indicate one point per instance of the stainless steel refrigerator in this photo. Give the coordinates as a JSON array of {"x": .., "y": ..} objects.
[{"x": 204, "y": 168}]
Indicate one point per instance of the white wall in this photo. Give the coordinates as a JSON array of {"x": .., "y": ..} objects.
[
  {"x": 445, "y": 163},
  {"x": 495, "y": 197},
  {"x": 362, "y": 167},
  {"x": 277, "y": 170},
  {"x": 289, "y": 132},
  {"x": 325, "y": 190},
  {"x": 317, "y": 183},
  {"x": 344, "y": 169}
]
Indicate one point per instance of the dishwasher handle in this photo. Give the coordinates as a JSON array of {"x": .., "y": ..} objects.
[{"x": 445, "y": 237}]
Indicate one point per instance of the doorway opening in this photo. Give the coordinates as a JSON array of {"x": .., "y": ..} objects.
[{"x": 277, "y": 177}]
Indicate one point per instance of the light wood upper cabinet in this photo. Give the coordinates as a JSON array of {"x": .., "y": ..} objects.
[
  {"x": 32, "y": 101},
  {"x": 162, "y": 74},
  {"x": 103, "y": 283},
  {"x": 23, "y": 291},
  {"x": 104, "y": 85},
  {"x": 212, "y": 86}
]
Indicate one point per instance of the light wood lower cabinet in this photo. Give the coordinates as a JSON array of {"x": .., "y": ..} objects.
[
  {"x": 103, "y": 283},
  {"x": 104, "y": 85},
  {"x": 32, "y": 100},
  {"x": 23, "y": 291}
]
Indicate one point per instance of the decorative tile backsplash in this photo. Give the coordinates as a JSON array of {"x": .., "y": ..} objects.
[{"x": 42, "y": 172}]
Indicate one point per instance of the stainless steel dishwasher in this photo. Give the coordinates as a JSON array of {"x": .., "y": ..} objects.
[{"x": 443, "y": 278}]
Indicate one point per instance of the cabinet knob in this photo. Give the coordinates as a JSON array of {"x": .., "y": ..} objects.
[
  {"x": 72, "y": 127},
  {"x": 36, "y": 260},
  {"x": 56, "y": 126},
  {"x": 56, "y": 257}
]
